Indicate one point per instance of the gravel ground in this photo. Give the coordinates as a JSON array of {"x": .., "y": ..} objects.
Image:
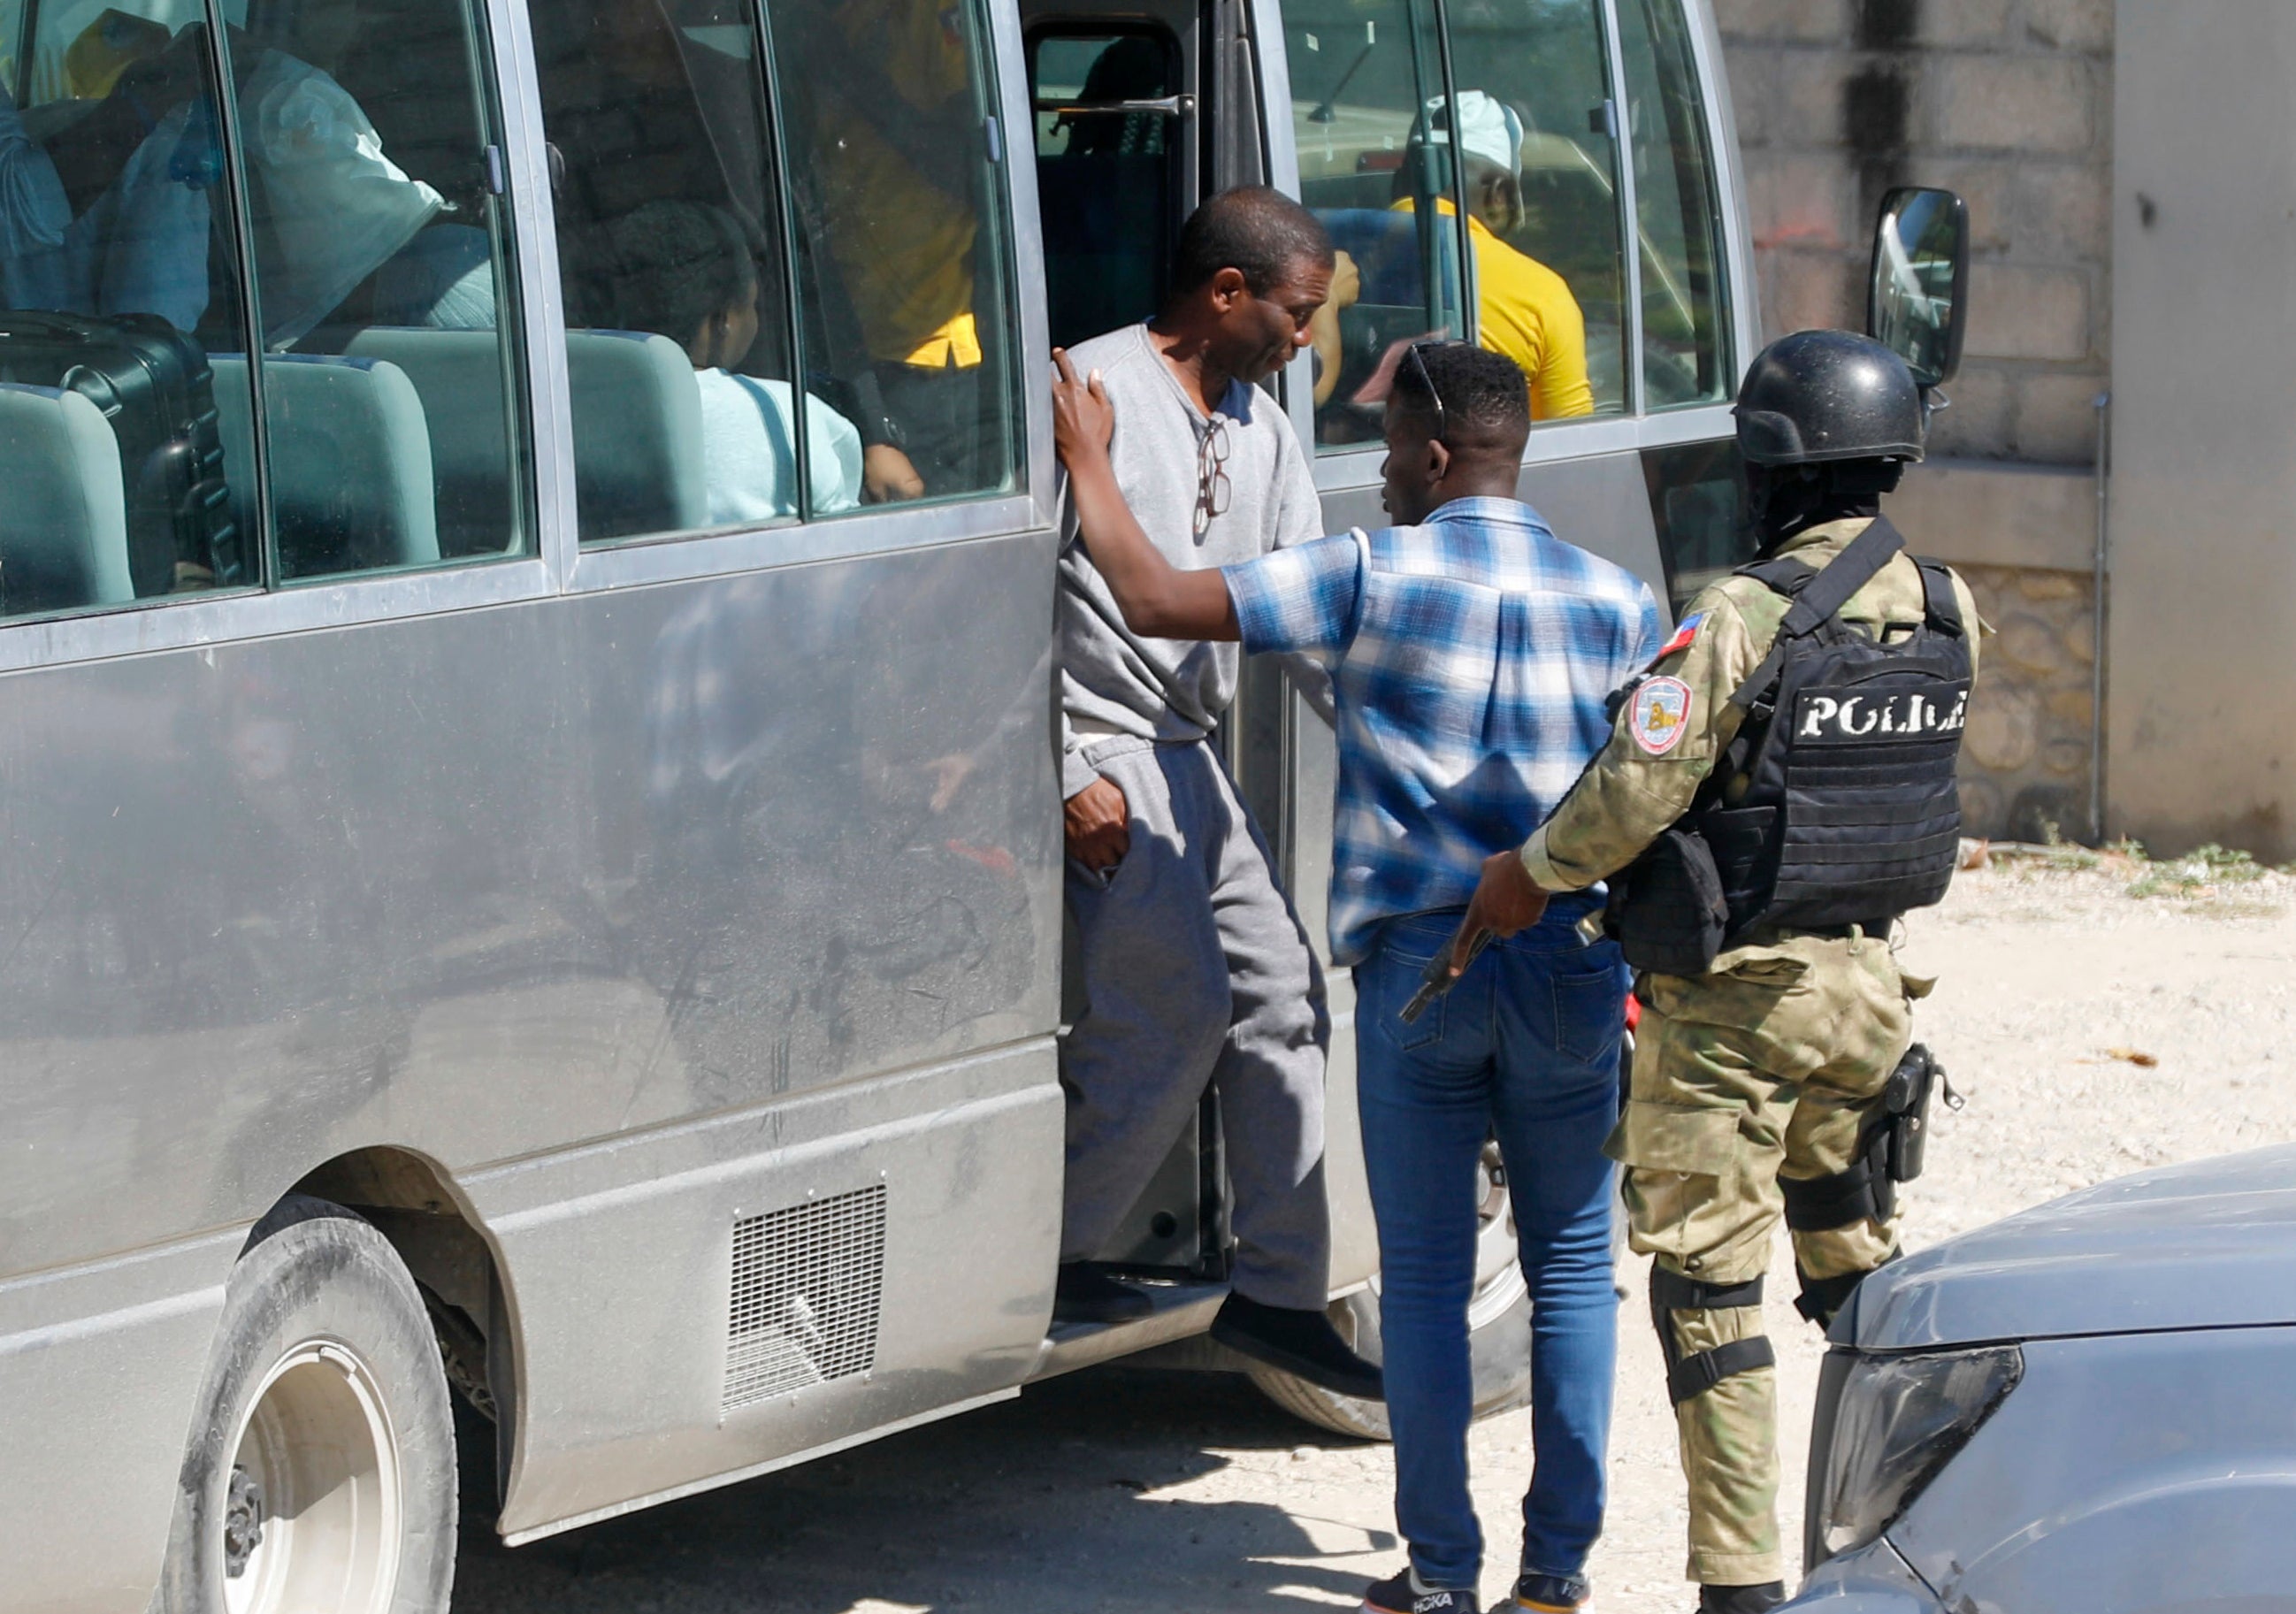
[{"x": 2092, "y": 1032}]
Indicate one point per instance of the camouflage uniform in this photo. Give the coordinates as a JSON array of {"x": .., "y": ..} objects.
[{"x": 1770, "y": 1065}]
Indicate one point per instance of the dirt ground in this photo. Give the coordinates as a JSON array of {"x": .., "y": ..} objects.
[{"x": 2093, "y": 1032}]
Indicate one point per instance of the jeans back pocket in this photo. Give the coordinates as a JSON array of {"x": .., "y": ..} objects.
[{"x": 1590, "y": 1007}]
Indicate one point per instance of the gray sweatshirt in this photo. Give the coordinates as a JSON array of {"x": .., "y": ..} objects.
[{"x": 1112, "y": 681}]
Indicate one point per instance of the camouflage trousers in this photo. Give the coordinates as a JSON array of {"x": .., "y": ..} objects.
[{"x": 1768, "y": 1066}]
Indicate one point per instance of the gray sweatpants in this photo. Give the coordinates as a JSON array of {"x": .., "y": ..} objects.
[{"x": 1196, "y": 970}]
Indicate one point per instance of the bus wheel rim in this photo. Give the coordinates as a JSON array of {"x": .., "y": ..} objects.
[
  {"x": 1499, "y": 1281},
  {"x": 313, "y": 1517}
]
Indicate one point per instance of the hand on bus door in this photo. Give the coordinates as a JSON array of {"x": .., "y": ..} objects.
[
  {"x": 1084, "y": 421},
  {"x": 888, "y": 477},
  {"x": 1097, "y": 823}
]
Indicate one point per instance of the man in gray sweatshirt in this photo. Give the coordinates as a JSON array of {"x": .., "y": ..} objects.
[{"x": 1195, "y": 967}]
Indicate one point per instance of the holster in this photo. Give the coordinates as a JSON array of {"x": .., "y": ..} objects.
[
  {"x": 1905, "y": 1102},
  {"x": 1667, "y": 910}
]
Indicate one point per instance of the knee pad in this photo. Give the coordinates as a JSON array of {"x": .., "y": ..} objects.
[
  {"x": 1821, "y": 1300},
  {"x": 1695, "y": 1375}
]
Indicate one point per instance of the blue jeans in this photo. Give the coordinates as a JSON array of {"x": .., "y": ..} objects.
[{"x": 1526, "y": 1045}]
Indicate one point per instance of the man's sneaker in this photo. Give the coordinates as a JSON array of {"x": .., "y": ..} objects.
[
  {"x": 1742, "y": 1600},
  {"x": 1405, "y": 1594},
  {"x": 1301, "y": 1342},
  {"x": 1086, "y": 1293},
  {"x": 1536, "y": 1594}
]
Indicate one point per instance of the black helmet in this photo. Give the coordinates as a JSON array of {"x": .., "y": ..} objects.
[{"x": 1819, "y": 396}]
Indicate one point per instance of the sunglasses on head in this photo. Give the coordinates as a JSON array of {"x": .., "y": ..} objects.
[{"x": 1427, "y": 380}]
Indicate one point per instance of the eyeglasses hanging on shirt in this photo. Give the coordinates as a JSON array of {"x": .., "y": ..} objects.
[{"x": 1214, "y": 491}]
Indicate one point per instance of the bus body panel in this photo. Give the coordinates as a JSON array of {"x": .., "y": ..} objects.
[
  {"x": 620, "y": 1263},
  {"x": 485, "y": 885},
  {"x": 491, "y": 883},
  {"x": 100, "y": 1367}
]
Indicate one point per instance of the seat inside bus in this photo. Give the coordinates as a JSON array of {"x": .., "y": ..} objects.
[
  {"x": 63, "y": 520},
  {"x": 458, "y": 376},
  {"x": 351, "y": 459},
  {"x": 637, "y": 434},
  {"x": 638, "y": 466}
]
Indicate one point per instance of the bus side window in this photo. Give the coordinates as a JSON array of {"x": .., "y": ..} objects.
[
  {"x": 897, "y": 187},
  {"x": 673, "y": 257},
  {"x": 120, "y": 277},
  {"x": 1365, "y": 78},
  {"x": 387, "y": 384},
  {"x": 1542, "y": 184},
  {"x": 1686, "y": 296}
]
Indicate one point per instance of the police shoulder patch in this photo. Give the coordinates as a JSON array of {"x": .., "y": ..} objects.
[{"x": 1658, "y": 714}]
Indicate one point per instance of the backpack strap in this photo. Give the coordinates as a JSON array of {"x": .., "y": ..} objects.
[
  {"x": 1821, "y": 598},
  {"x": 1781, "y": 574},
  {"x": 1938, "y": 599}
]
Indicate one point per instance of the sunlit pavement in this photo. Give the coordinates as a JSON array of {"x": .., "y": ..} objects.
[{"x": 1110, "y": 1489}]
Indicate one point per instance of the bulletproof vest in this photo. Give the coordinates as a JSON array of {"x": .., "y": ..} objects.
[{"x": 1851, "y": 814}]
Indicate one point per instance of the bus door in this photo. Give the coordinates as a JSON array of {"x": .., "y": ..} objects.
[{"x": 1142, "y": 109}]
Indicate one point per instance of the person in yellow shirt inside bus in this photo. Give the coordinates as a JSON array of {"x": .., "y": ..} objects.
[
  {"x": 1527, "y": 310},
  {"x": 889, "y": 168}
]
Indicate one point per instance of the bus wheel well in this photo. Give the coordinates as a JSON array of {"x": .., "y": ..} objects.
[{"x": 407, "y": 1198}]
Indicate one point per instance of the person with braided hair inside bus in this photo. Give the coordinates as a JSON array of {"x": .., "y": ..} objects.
[{"x": 1777, "y": 789}]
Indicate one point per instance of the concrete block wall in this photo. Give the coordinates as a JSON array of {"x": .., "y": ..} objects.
[{"x": 2010, "y": 103}]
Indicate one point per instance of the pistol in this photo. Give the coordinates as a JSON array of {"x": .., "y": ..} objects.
[{"x": 1438, "y": 978}]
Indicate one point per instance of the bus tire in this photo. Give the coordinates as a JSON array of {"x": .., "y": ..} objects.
[
  {"x": 1498, "y": 1330},
  {"x": 320, "y": 1477},
  {"x": 1499, "y": 1358}
]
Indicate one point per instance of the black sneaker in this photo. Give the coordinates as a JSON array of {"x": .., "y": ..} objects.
[
  {"x": 1404, "y": 1593},
  {"x": 1742, "y": 1600},
  {"x": 1301, "y": 1342},
  {"x": 1537, "y": 1593},
  {"x": 1086, "y": 1293}
]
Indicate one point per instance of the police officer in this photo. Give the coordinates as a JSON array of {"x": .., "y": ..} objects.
[{"x": 1777, "y": 789}]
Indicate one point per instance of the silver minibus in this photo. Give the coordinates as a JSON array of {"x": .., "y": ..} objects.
[{"x": 529, "y": 838}]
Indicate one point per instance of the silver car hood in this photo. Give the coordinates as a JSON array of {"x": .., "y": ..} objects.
[{"x": 2209, "y": 1244}]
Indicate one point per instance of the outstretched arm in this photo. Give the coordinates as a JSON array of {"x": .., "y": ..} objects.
[{"x": 1158, "y": 599}]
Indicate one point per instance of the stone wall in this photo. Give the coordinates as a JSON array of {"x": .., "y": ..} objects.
[
  {"x": 2008, "y": 102},
  {"x": 2025, "y": 757}
]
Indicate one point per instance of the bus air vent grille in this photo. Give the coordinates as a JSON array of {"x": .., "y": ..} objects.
[{"x": 809, "y": 1286}]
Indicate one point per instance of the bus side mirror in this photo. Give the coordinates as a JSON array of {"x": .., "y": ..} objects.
[{"x": 1917, "y": 303}]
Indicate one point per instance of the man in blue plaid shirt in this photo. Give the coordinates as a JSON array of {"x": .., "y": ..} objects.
[{"x": 1471, "y": 653}]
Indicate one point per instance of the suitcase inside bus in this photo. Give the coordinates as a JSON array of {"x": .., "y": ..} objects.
[{"x": 153, "y": 384}]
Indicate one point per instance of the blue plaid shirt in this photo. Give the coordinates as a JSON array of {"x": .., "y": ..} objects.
[{"x": 1470, "y": 659}]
